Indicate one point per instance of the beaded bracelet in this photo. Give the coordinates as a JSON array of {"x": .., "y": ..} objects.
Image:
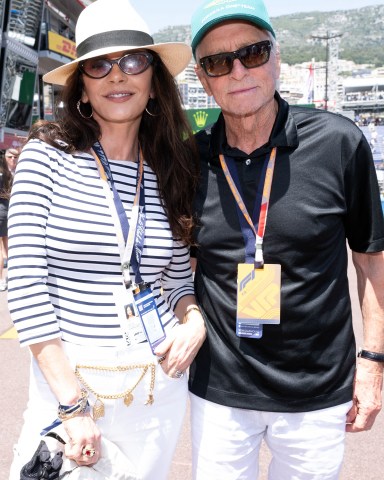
[{"x": 65, "y": 412}]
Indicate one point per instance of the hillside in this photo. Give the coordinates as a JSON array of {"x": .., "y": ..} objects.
[{"x": 362, "y": 32}]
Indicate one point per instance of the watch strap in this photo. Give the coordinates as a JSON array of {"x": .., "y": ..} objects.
[{"x": 374, "y": 356}]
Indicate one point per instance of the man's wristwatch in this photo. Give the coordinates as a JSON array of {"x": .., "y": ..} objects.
[{"x": 374, "y": 356}]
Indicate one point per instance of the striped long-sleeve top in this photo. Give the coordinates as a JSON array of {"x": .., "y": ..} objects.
[{"x": 64, "y": 262}]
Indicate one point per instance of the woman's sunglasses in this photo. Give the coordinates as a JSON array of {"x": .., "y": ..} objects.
[
  {"x": 131, "y": 64},
  {"x": 251, "y": 56}
]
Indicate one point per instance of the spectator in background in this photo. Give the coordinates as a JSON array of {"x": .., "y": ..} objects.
[
  {"x": 373, "y": 139},
  {"x": 5, "y": 190},
  {"x": 11, "y": 157}
]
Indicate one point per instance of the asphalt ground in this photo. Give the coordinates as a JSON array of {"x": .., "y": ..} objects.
[{"x": 364, "y": 456}]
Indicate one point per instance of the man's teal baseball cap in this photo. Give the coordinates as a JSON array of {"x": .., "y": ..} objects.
[{"x": 212, "y": 12}]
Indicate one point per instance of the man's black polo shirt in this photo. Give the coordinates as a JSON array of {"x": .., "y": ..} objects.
[{"x": 324, "y": 191}]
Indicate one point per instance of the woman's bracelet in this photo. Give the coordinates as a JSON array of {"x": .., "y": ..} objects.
[
  {"x": 190, "y": 309},
  {"x": 65, "y": 412}
]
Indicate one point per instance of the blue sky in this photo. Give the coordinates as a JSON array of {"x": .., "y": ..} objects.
[{"x": 161, "y": 13}]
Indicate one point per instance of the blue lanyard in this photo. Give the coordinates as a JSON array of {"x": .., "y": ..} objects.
[{"x": 134, "y": 245}]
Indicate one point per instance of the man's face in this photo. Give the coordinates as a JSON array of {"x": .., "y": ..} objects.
[
  {"x": 243, "y": 91},
  {"x": 11, "y": 157}
]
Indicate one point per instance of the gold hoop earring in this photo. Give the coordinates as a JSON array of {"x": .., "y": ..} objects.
[
  {"x": 78, "y": 106},
  {"x": 151, "y": 102}
]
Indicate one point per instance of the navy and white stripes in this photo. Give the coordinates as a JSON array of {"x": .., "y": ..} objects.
[{"x": 64, "y": 260}]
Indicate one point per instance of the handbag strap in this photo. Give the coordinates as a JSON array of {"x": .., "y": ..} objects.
[{"x": 55, "y": 436}]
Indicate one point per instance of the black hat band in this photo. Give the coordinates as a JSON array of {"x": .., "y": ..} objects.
[{"x": 114, "y": 38}]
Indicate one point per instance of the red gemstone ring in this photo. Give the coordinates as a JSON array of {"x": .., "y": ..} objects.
[{"x": 88, "y": 452}]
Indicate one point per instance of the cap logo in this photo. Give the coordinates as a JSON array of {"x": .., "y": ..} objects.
[
  {"x": 223, "y": 5},
  {"x": 218, "y": 2}
]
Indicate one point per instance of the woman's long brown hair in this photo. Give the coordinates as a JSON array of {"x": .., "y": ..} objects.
[{"x": 165, "y": 138}]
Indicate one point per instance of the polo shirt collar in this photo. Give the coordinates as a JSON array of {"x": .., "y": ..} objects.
[{"x": 284, "y": 134}]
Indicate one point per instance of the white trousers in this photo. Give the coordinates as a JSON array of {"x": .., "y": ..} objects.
[
  {"x": 305, "y": 446},
  {"x": 147, "y": 434}
]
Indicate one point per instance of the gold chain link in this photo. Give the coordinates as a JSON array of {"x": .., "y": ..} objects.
[{"x": 98, "y": 409}]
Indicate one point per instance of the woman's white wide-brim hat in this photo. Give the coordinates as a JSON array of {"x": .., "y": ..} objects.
[{"x": 108, "y": 26}]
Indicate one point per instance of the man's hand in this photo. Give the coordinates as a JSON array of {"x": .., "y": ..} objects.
[{"x": 367, "y": 400}]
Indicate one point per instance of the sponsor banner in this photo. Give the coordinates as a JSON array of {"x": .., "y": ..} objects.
[
  {"x": 200, "y": 118},
  {"x": 61, "y": 45}
]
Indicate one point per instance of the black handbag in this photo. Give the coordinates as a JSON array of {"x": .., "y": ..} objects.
[
  {"x": 44, "y": 464},
  {"x": 50, "y": 463}
]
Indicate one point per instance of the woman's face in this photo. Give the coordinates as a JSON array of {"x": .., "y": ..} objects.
[{"x": 118, "y": 98}]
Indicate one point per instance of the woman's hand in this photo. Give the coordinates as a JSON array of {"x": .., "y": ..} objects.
[
  {"x": 84, "y": 444},
  {"x": 182, "y": 344},
  {"x": 83, "y": 435}
]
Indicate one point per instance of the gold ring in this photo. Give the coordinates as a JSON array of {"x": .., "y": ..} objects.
[
  {"x": 161, "y": 359},
  {"x": 88, "y": 452}
]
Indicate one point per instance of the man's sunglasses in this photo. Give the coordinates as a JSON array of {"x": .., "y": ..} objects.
[
  {"x": 131, "y": 64},
  {"x": 251, "y": 56}
]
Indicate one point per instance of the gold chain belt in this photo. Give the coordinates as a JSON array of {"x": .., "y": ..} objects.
[{"x": 98, "y": 408}]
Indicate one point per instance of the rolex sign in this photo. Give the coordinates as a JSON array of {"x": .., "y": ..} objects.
[{"x": 200, "y": 118}]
